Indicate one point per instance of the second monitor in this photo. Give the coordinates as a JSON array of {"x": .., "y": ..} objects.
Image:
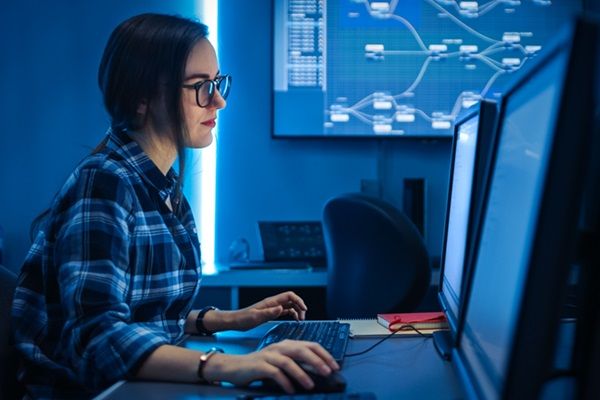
[{"x": 473, "y": 138}]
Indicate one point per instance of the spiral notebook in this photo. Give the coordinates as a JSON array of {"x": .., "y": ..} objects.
[{"x": 369, "y": 327}]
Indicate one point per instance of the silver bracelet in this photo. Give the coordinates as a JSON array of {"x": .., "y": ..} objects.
[{"x": 203, "y": 359}]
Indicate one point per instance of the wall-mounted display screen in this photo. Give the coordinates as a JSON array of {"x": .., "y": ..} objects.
[{"x": 398, "y": 68}]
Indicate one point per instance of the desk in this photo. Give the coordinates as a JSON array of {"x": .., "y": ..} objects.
[{"x": 406, "y": 368}]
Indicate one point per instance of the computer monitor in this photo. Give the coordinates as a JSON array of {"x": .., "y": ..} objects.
[
  {"x": 526, "y": 237},
  {"x": 486, "y": 141},
  {"x": 457, "y": 214},
  {"x": 473, "y": 136},
  {"x": 300, "y": 241}
]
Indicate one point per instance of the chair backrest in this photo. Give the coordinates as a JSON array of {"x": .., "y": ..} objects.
[
  {"x": 9, "y": 389},
  {"x": 376, "y": 259}
]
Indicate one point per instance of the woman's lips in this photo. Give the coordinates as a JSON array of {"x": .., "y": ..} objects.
[{"x": 210, "y": 123}]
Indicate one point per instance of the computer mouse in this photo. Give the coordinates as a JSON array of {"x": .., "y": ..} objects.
[{"x": 332, "y": 383}]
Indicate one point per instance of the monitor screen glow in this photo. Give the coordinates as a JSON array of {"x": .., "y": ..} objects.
[{"x": 458, "y": 213}]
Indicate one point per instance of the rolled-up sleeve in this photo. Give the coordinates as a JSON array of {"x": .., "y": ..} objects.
[{"x": 100, "y": 339}]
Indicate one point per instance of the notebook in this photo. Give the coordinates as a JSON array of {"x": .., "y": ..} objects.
[
  {"x": 423, "y": 320},
  {"x": 366, "y": 328}
]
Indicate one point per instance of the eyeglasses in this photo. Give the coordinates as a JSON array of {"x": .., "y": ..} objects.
[{"x": 205, "y": 90}]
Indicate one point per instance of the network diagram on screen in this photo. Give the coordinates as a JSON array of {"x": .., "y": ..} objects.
[{"x": 398, "y": 67}]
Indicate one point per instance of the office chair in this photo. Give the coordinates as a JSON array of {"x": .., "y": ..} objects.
[
  {"x": 9, "y": 388},
  {"x": 377, "y": 261}
]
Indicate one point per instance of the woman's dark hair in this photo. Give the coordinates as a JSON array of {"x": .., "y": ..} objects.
[{"x": 144, "y": 63}]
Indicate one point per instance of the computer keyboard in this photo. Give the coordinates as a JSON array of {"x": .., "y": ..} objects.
[
  {"x": 332, "y": 335},
  {"x": 312, "y": 396}
]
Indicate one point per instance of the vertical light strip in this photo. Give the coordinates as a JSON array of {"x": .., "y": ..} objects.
[{"x": 204, "y": 161}]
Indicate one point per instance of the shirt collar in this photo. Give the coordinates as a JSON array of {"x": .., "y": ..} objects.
[{"x": 131, "y": 152}]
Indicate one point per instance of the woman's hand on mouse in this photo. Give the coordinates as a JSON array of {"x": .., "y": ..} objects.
[{"x": 278, "y": 361}]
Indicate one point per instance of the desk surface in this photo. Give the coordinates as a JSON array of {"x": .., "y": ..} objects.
[{"x": 406, "y": 367}]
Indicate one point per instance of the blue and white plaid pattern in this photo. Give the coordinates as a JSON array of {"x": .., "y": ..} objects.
[{"x": 111, "y": 277}]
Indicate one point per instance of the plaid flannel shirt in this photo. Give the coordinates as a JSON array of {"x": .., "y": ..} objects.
[{"x": 111, "y": 277}]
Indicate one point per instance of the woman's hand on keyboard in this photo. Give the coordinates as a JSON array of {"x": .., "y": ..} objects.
[
  {"x": 283, "y": 304},
  {"x": 278, "y": 362}
]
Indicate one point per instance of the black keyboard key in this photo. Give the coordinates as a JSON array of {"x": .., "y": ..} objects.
[{"x": 332, "y": 335}]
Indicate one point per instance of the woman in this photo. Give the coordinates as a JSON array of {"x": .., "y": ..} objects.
[{"x": 108, "y": 285}]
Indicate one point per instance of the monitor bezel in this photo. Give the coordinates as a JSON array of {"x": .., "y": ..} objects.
[
  {"x": 467, "y": 116},
  {"x": 587, "y": 341},
  {"x": 487, "y": 137}
]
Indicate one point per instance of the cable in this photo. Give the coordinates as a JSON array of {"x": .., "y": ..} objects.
[{"x": 402, "y": 328}]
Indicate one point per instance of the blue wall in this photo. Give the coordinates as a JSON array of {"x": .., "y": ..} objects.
[
  {"x": 260, "y": 178},
  {"x": 50, "y": 105},
  {"x": 52, "y": 116}
]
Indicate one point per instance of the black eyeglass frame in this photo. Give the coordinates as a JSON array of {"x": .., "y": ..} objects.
[{"x": 213, "y": 84}]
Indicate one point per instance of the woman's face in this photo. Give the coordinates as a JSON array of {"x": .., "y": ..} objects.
[{"x": 201, "y": 65}]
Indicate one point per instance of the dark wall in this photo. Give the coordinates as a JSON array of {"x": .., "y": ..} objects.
[
  {"x": 592, "y": 6},
  {"x": 50, "y": 106}
]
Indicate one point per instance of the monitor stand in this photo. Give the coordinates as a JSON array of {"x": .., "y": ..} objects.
[{"x": 443, "y": 344}]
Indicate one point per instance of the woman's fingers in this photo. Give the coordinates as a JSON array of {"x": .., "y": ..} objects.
[
  {"x": 309, "y": 353},
  {"x": 275, "y": 373},
  {"x": 283, "y": 362},
  {"x": 288, "y": 298},
  {"x": 292, "y": 312},
  {"x": 324, "y": 355},
  {"x": 291, "y": 370},
  {"x": 300, "y": 311},
  {"x": 296, "y": 300}
]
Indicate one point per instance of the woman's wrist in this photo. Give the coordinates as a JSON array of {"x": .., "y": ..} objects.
[
  {"x": 219, "y": 320},
  {"x": 214, "y": 367},
  {"x": 201, "y": 327},
  {"x": 204, "y": 358}
]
